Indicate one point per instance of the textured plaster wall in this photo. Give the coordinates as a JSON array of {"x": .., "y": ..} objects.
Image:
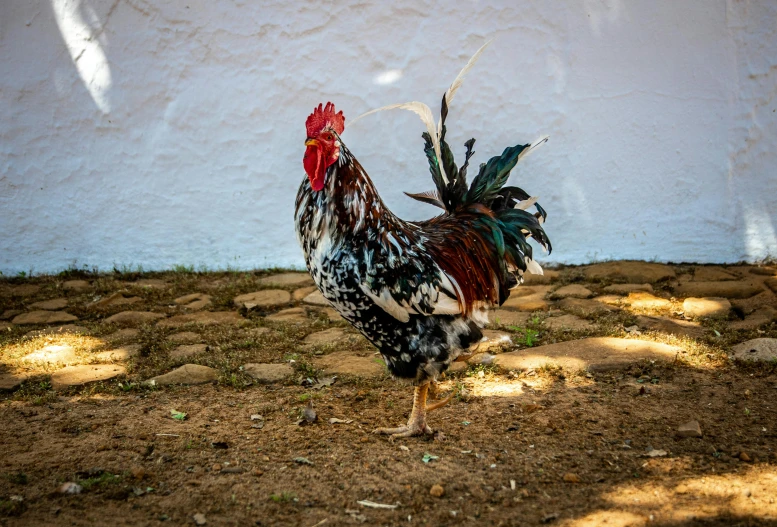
[{"x": 164, "y": 132}]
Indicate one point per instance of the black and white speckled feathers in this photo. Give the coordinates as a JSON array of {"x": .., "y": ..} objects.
[{"x": 377, "y": 272}]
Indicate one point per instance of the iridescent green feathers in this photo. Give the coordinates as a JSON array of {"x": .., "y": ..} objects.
[{"x": 510, "y": 225}]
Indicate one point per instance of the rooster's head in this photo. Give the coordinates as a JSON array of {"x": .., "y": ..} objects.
[{"x": 324, "y": 127}]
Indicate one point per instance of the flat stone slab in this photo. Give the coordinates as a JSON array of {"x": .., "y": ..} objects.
[
  {"x": 77, "y": 286},
  {"x": 264, "y": 298},
  {"x": 712, "y": 274},
  {"x": 205, "y": 318},
  {"x": 52, "y": 354},
  {"x": 287, "y": 279},
  {"x": 328, "y": 336},
  {"x": 188, "y": 350},
  {"x": 133, "y": 318},
  {"x": 294, "y": 315},
  {"x": 718, "y": 289},
  {"x": 593, "y": 354},
  {"x": 44, "y": 317},
  {"x": 186, "y": 374},
  {"x": 585, "y": 307},
  {"x": 707, "y": 307},
  {"x": 628, "y": 271},
  {"x": 506, "y": 317},
  {"x": 79, "y": 375},
  {"x": 759, "y": 350},
  {"x": 67, "y": 329},
  {"x": 350, "y": 363},
  {"x": 610, "y": 300},
  {"x": 23, "y": 290},
  {"x": 50, "y": 305},
  {"x": 547, "y": 277},
  {"x": 528, "y": 299},
  {"x": 771, "y": 283},
  {"x": 149, "y": 283},
  {"x": 316, "y": 299},
  {"x": 299, "y": 294},
  {"x": 10, "y": 313},
  {"x": 119, "y": 354},
  {"x": 11, "y": 381},
  {"x": 647, "y": 301},
  {"x": 572, "y": 291},
  {"x": 123, "y": 334},
  {"x": 625, "y": 289},
  {"x": 568, "y": 323},
  {"x": 759, "y": 317},
  {"x": 671, "y": 326},
  {"x": 268, "y": 373},
  {"x": 115, "y": 299},
  {"x": 185, "y": 337},
  {"x": 194, "y": 301},
  {"x": 331, "y": 314},
  {"x": 764, "y": 271}
]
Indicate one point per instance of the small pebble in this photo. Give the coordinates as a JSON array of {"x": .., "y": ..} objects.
[
  {"x": 138, "y": 472},
  {"x": 744, "y": 457},
  {"x": 256, "y": 472},
  {"x": 571, "y": 478},
  {"x": 199, "y": 519},
  {"x": 437, "y": 491},
  {"x": 216, "y": 468},
  {"x": 689, "y": 429},
  {"x": 265, "y": 458}
]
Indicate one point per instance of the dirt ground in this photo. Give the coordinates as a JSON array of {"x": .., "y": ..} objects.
[{"x": 535, "y": 446}]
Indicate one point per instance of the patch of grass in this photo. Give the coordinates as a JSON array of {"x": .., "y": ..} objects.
[
  {"x": 11, "y": 507},
  {"x": 529, "y": 336},
  {"x": 551, "y": 370},
  {"x": 38, "y": 391},
  {"x": 19, "y": 478},
  {"x": 99, "y": 481},
  {"x": 151, "y": 339},
  {"x": 306, "y": 370},
  {"x": 482, "y": 370},
  {"x": 283, "y": 497}
]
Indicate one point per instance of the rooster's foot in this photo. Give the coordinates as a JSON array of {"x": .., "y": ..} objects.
[{"x": 410, "y": 429}]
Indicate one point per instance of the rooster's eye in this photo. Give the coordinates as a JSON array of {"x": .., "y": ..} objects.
[{"x": 328, "y": 136}]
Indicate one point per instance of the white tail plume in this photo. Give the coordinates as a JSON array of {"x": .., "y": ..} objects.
[
  {"x": 459, "y": 80},
  {"x": 425, "y": 113},
  {"x": 535, "y": 145}
]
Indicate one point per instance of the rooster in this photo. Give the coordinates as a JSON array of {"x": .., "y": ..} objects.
[{"x": 419, "y": 291}]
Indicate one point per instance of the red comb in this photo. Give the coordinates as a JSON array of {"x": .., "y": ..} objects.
[{"x": 321, "y": 118}]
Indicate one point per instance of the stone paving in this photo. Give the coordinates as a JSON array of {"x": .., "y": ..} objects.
[{"x": 598, "y": 317}]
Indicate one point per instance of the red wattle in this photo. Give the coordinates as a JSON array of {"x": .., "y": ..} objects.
[{"x": 314, "y": 167}]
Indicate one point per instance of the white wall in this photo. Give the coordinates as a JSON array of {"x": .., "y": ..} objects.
[{"x": 163, "y": 132}]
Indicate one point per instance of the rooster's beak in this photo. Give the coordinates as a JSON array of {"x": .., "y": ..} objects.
[{"x": 311, "y": 142}]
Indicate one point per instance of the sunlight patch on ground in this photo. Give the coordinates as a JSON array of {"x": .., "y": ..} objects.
[
  {"x": 496, "y": 386},
  {"x": 750, "y": 493},
  {"x": 48, "y": 353}
]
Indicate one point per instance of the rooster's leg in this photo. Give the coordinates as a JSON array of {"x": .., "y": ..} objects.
[{"x": 416, "y": 425}]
